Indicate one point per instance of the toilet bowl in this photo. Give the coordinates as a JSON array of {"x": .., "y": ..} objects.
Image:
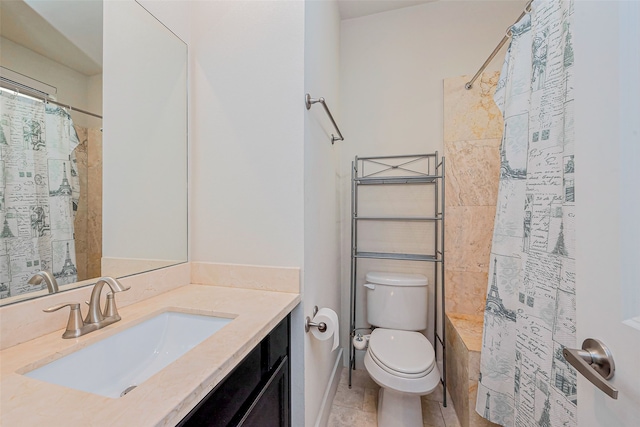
[
  {"x": 403, "y": 364},
  {"x": 399, "y": 358}
]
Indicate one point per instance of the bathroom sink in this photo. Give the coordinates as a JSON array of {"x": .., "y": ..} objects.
[{"x": 117, "y": 364}]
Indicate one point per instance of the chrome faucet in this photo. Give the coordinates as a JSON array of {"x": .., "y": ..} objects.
[
  {"x": 96, "y": 319},
  {"x": 46, "y": 277}
]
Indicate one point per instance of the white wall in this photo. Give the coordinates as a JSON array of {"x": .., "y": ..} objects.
[
  {"x": 175, "y": 15},
  {"x": 392, "y": 65},
  {"x": 247, "y": 132},
  {"x": 321, "y": 199},
  {"x": 247, "y": 136}
]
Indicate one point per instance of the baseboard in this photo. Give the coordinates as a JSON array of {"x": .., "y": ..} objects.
[{"x": 330, "y": 392}]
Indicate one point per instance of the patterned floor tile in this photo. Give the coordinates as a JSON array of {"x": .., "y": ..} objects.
[
  {"x": 349, "y": 417},
  {"x": 349, "y": 397}
]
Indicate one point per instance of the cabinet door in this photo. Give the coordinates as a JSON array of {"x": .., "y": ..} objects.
[
  {"x": 220, "y": 407},
  {"x": 271, "y": 407},
  {"x": 255, "y": 393}
]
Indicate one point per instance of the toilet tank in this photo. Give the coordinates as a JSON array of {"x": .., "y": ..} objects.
[{"x": 397, "y": 301}]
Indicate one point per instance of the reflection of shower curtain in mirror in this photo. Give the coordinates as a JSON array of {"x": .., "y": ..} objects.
[{"x": 38, "y": 193}]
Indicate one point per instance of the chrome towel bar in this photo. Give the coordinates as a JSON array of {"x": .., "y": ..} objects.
[{"x": 309, "y": 101}]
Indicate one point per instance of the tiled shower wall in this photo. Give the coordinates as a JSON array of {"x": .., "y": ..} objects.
[
  {"x": 472, "y": 134},
  {"x": 88, "y": 221}
]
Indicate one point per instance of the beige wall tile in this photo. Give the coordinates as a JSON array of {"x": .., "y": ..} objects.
[
  {"x": 464, "y": 340},
  {"x": 471, "y": 114},
  {"x": 472, "y": 172},
  {"x": 469, "y": 329},
  {"x": 474, "y": 361},
  {"x": 468, "y": 234},
  {"x": 81, "y": 263},
  {"x": 94, "y": 263},
  {"x": 280, "y": 279},
  {"x": 80, "y": 220},
  {"x": 457, "y": 372},
  {"x": 94, "y": 202},
  {"x": 466, "y": 291}
]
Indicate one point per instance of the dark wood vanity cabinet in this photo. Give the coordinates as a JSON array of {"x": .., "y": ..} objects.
[{"x": 256, "y": 393}]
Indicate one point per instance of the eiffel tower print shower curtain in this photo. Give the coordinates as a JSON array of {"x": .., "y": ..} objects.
[
  {"x": 530, "y": 310},
  {"x": 38, "y": 191}
]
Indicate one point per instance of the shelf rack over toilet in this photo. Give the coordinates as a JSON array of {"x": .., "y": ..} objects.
[{"x": 419, "y": 169}]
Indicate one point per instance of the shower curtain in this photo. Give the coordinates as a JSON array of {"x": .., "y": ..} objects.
[
  {"x": 38, "y": 192},
  {"x": 530, "y": 310}
]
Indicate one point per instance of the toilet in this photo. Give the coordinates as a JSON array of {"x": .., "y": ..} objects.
[{"x": 399, "y": 358}]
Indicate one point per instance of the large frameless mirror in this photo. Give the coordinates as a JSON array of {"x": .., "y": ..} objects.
[{"x": 82, "y": 197}]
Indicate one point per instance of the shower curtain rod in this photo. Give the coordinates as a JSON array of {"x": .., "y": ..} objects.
[
  {"x": 506, "y": 37},
  {"x": 35, "y": 93}
]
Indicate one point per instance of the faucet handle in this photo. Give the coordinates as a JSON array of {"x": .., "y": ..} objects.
[
  {"x": 75, "y": 323},
  {"x": 110, "y": 309},
  {"x": 73, "y": 305}
]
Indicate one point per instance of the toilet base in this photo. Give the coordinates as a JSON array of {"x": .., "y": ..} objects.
[{"x": 399, "y": 409}]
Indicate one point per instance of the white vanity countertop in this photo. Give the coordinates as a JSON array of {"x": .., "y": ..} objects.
[{"x": 165, "y": 398}]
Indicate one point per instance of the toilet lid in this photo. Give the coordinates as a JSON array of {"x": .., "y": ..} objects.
[{"x": 404, "y": 353}]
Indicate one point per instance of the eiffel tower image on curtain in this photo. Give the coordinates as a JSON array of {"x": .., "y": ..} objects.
[
  {"x": 494, "y": 302},
  {"x": 65, "y": 188},
  {"x": 68, "y": 269},
  {"x": 6, "y": 231},
  {"x": 507, "y": 170}
]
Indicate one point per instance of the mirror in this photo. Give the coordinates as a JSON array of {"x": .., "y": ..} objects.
[{"x": 115, "y": 197}]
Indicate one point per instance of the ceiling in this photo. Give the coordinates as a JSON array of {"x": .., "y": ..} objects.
[
  {"x": 53, "y": 27},
  {"x": 357, "y": 8}
]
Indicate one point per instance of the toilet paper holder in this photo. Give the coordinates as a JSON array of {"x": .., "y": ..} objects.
[{"x": 308, "y": 323}]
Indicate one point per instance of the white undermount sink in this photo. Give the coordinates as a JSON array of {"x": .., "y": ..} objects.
[{"x": 115, "y": 365}]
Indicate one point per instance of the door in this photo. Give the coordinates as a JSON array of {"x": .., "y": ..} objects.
[{"x": 607, "y": 162}]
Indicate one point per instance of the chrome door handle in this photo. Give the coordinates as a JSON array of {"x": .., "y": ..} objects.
[{"x": 595, "y": 362}]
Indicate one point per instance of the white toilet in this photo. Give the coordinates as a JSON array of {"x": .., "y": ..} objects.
[{"x": 400, "y": 359}]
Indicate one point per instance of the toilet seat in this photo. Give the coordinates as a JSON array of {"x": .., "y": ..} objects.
[
  {"x": 406, "y": 354},
  {"x": 403, "y": 361}
]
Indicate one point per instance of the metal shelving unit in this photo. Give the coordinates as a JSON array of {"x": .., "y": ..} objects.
[{"x": 420, "y": 169}]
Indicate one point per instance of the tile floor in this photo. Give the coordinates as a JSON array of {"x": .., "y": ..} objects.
[{"x": 356, "y": 407}]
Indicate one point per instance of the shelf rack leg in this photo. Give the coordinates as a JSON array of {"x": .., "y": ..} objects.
[
  {"x": 442, "y": 300},
  {"x": 354, "y": 207}
]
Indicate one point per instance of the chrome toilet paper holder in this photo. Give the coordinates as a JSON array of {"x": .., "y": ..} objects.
[{"x": 322, "y": 327}]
